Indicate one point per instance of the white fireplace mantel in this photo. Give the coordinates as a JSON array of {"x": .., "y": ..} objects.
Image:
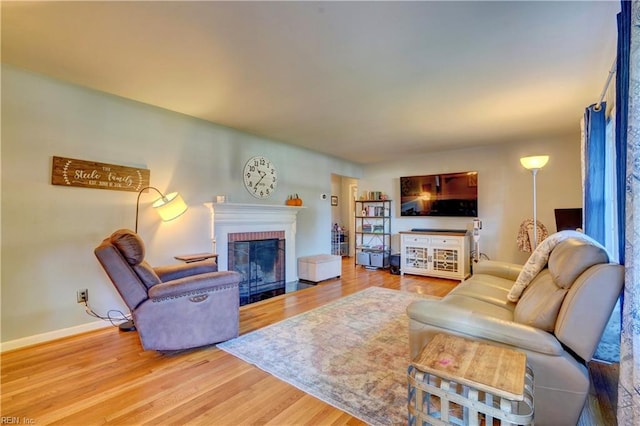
[{"x": 229, "y": 218}]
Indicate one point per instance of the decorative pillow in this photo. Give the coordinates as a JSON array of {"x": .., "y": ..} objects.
[
  {"x": 538, "y": 260},
  {"x": 129, "y": 244},
  {"x": 539, "y": 305}
]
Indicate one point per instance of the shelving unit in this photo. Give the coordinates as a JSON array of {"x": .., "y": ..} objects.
[
  {"x": 340, "y": 242},
  {"x": 373, "y": 233},
  {"x": 437, "y": 253}
]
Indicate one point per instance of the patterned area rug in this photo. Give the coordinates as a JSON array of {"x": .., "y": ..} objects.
[
  {"x": 352, "y": 353},
  {"x": 609, "y": 347}
]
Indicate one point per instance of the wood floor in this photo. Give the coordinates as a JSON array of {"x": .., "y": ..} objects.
[{"x": 104, "y": 377}]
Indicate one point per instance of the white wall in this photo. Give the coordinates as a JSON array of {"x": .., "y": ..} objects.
[
  {"x": 49, "y": 232},
  {"x": 505, "y": 188}
]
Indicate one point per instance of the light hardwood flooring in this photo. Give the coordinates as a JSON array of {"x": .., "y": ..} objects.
[{"x": 104, "y": 377}]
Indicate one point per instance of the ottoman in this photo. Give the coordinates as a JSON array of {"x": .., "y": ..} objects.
[{"x": 319, "y": 267}]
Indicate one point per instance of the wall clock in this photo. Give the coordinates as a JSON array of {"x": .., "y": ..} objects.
[{"x": 260, "y": 177}]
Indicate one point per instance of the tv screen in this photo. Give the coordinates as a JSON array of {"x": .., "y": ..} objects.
[{"x": 445, "y": 194}]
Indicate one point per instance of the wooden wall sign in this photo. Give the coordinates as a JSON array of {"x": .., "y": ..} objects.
[{"x": 91, "y": 174}]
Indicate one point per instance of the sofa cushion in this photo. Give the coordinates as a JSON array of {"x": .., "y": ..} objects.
[
  {"x": 486, "y": 288},
  {"x": 540, "y": 258},
  {"x": 480, "y": 307},
  {"x": 129, "y": 244},
  {"x": 488, "y": 280},
  {"x": 506, "y": 270},
  {"x": 539, "y": 305},
  {"x": 571, "y": 258}
]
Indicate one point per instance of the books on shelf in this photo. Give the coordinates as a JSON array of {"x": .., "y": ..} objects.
[
  {"x": 374, "y": 229},
  {"x": 375, "y": 211}
]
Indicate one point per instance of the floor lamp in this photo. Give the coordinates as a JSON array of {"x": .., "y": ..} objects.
[
  {"x": 534, "y": 164},
  {"x": 169, "y": 207}
]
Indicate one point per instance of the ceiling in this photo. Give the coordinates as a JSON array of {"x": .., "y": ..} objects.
[{"x": 363, "y": 81}]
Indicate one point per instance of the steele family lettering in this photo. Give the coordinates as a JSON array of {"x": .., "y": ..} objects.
[
  {"x": 113, "y": 180},
  {"x": 82, "y": 174},
  {"x": 91, "y": 174}
]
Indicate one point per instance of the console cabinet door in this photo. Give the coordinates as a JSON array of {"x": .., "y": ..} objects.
[{"x": 414, "y": 254}]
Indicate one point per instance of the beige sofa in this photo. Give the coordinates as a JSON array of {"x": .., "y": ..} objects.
[{"x": 558, "y": 321}]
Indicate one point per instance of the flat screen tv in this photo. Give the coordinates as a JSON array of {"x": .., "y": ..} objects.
[{"x": 445, "y": 194}]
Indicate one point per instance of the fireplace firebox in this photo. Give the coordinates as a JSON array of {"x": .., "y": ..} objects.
[{"x": 261, "y": 263}]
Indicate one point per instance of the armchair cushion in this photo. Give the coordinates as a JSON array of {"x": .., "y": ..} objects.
[
  {"x": 146, "y": 274},
  {"x": 130, "y": 245},
  {"x": 174, "y": 272},
  {"x": 193, "y": 284}
]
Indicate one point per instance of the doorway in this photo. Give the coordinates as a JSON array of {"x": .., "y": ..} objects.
[{"x": 345, "y": 191}]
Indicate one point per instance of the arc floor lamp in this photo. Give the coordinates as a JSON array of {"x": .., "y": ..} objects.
[
  {"x": 168, "y": 206},
  {"x": 534, "y": 163}
]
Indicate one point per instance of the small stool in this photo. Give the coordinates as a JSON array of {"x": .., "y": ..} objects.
[
  {"x": 459, "y": 381},
  {"x": 319, "y": 267}
]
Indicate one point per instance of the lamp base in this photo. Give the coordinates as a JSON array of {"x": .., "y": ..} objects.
[{"x": 127, "y": 326}]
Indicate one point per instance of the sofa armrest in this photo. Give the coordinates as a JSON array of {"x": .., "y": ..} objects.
[
  {"x": 506, "y": 270},
  {"x": 195, "y": 283},
  {"x": 459, "y": 320},
  {"x": 181, "y": 270}
]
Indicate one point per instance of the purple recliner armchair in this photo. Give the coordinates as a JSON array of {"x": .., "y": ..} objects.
[{"x": 173, "y": 307}]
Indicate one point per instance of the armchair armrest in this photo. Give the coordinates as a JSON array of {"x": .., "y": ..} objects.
[
  {"x": 506, "y": 270},
  {"x": 174, "y": 272},
  {"x": 195, "y": 283},
  {"x": 450, "y": 317}
]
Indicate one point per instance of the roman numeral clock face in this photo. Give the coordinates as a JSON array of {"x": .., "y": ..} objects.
[{"x": 260, "y": 177}]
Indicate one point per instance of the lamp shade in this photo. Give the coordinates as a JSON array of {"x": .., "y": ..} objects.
[
  {"x": 170, "y": 206},
  {"x": 535, "y": 162}
]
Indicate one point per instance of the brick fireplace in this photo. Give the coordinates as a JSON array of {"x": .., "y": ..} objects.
[{"x": 254, "y": 221}]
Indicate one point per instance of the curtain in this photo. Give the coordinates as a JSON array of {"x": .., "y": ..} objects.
[
  {"x": 629, "y": 379},
  {"x": 612, "y": 200},
  {"x": 621, "y": 117},
  {"x": 594, "y": 143}
]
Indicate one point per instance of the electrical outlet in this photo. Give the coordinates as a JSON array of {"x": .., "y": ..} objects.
[{"x": 83, "y": 295}]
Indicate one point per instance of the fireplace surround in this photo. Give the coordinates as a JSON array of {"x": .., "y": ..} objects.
[{"x": 234, "y": 218}]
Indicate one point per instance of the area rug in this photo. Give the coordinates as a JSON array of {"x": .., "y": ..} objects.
[
  {"x": 352, "y": 353},
  {"x": 608, "y": 349}
]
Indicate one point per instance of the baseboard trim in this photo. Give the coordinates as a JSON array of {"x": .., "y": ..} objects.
[{"x": 52, "y": 335}]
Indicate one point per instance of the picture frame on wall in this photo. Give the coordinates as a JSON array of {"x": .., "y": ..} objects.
[{"x": 334, "y": 200}]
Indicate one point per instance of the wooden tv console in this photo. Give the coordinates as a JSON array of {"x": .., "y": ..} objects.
[{"x": 437, "y": 252}]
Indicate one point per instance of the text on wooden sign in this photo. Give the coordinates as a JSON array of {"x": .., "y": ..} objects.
[{"x": 91, "y": 174}]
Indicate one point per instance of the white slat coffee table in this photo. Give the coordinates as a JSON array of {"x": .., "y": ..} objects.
[{"x": 465, "y": 382}]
